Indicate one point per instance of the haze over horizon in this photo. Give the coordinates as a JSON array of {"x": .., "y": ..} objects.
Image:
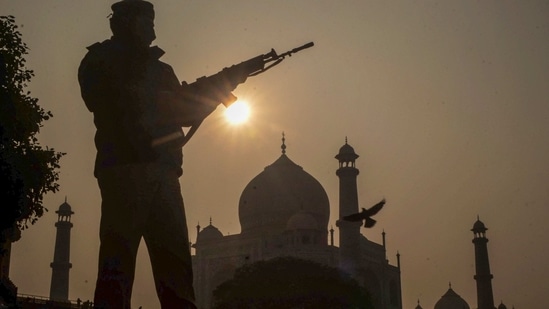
[{"x": 445, "y": 102}]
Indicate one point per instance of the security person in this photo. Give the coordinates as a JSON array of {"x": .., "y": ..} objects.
[{"x": 139, "y": 109}]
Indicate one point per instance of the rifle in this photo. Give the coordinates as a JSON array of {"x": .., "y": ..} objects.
[{"x": 217, "y": 88}]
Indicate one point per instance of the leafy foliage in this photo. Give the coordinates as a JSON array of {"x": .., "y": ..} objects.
[
  {"x": 28, "y": 171},
  {"x": 288, "y": 282}
]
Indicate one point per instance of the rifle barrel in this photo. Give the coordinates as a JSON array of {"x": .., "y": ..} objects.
[
  {"x": 295, "y": 50},
  {"x": 310, "y": 44}
]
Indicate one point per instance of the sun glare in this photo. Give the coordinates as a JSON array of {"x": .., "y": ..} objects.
[{"x": 238, "y": 112}]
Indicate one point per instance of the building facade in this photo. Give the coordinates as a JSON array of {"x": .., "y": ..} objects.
[{"x": 284, "y": 211}]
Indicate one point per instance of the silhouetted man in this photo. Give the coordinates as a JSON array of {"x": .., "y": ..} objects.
[{"x": 139, "y": 107}]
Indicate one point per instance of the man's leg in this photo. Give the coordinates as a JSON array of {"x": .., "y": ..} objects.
[
  {"x": 167, "y": 241},
  {"x": 120, "y": 235}
]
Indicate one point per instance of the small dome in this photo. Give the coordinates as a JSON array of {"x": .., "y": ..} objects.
[
  {"x": 65, "y": 209},
  {"x": 346, "y": 153},
  {"x": 502, "y": 306},
  {"x": 451, "y": 300},
  {"x": 346, "y": 149},
  {"x": 479, "y": 227},
  {"x": 209, "y": 233},
  {"x": 302, "y": 221},
  {"x": 418, "y": 305}
]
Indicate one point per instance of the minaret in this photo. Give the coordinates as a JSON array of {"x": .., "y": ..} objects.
[
  {"x": 485, "y": 297},
  {"x": 349, "y": 232},
  {"x": 59, "y": 288}
]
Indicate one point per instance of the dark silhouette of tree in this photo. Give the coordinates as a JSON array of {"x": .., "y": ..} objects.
[
  {"x": 290, "y": 283},
  {"x": 27, "y": 170}
]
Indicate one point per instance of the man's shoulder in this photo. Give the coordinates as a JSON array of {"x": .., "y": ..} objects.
[
  {"x": 100, "y": 51},
  {"x": 97, "y": 46},
  {"x": 111, "y": 47}
]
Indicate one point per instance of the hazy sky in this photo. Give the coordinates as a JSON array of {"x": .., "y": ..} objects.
[{"x": 446, "y": 102}]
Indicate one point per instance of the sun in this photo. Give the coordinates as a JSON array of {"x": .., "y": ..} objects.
[{"x": 238, "y": 112}]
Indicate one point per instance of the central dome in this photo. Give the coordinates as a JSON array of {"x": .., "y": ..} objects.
[{"x": 282, "y": 190}]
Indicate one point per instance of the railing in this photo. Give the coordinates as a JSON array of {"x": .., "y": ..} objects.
[{"x": 35, "y": 301}]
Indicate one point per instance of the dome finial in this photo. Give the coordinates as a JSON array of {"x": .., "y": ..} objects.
[
  {"x": 210, "y": 220},
  {"x": 345, "y": 140},
  {"x": 283, "y": 143}
]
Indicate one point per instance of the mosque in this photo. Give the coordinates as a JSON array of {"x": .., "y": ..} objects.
[{"x": 284, "y": 211}]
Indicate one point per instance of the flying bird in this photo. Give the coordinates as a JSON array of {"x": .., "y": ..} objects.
[{"x": 366, "y": 214}]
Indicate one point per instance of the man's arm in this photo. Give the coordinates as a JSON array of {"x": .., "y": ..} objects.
[{"x": 186, "y": 105}]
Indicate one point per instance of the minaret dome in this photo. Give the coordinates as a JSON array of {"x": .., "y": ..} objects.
[{"x": 346, "y": 155}]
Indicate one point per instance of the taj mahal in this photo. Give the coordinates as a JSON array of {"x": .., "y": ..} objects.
[{"x": 284, "y": 211}]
